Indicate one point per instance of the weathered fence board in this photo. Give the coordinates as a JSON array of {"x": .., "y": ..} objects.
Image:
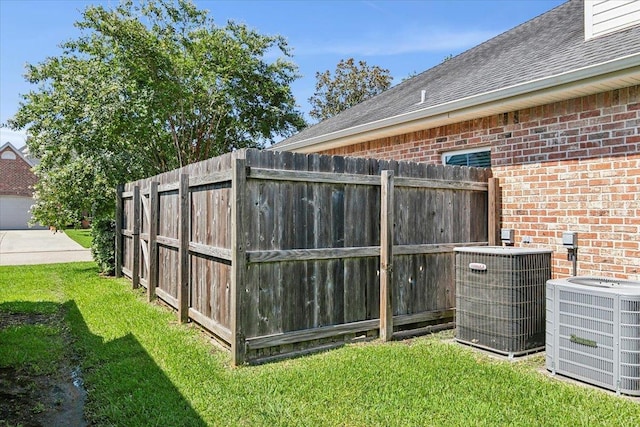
[
  {"x": 286, "y": 252},
  {"x": 387, "y": 219}
]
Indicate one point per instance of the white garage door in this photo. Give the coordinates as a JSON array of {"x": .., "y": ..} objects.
[{"x": 14, "y": 212}]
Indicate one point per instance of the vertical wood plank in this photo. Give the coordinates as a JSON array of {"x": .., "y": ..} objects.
[
  {"x": 314, "y": 228},
  {"x": 373, "y": 264},
  {"x": 301, "y": 319},
  {"x": 238, "y": 262},
  {"x": 153, "y": 243},
  {"x": 322, "y": 231},
  {"x": 336, "y": 230},
  {"x": 403, "y": 233},
  {"x": 494, "y": 211},
  {"x": 135, "y": 280},
  {"x": 119, "y": 218},
  {"x": 351, "y": 273},
  {"x": 386, "y": 255},
  {"x": 183, "y": 251},
  {"x": 285, "y": 229},
  {"x": 450, "y": 216},
  {"x": 266, "y": 276}
]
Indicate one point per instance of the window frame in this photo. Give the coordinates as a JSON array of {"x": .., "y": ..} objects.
[
  {"x": 8, "y": 155},
  {"x": 466, "y": 151}
]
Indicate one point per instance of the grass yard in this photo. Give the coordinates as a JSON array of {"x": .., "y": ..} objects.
[
  {"x": 80, "y": 236},
  {"x": 141, "y": 368}
]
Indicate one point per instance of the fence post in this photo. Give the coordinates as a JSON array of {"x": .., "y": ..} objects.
[
  {"x": 238, "y": 261},
  {"x": 119, "y": 218},
  {"x": 153, "y": 242},
  {"x": 183, "y": 250},
  {"x": 135, "y": 273},
  {"x": 494, "y": 212},
  {"x": 386, "y": 255}
]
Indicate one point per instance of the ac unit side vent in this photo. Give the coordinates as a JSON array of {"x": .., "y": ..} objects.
[{"x": 593, "y": 331}]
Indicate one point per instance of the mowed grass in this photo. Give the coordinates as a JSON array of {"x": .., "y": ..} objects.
[
  {"x": 141, "y": 368},
  {"x": 80, "y": 236}
]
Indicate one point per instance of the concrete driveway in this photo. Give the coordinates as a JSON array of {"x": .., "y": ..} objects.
[{"x": 21, "y": 247}]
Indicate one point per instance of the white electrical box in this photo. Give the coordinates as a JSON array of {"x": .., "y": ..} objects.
[{"x": 570, "y": 240}]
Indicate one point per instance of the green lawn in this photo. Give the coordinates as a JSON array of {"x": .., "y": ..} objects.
[
  {"x": 80, "y": 236},
  {"x": 142, "y": 368}
]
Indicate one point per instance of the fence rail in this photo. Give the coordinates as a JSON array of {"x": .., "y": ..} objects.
[{"x": 276, "y": 253}]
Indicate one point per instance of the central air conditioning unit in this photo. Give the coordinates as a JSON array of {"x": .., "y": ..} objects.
[
  {"x": 593, "y": 331},
  {"x": 500, "y": 304}
]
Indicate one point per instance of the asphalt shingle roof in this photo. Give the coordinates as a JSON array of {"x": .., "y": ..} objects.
[{"x": 550, "y": 44}]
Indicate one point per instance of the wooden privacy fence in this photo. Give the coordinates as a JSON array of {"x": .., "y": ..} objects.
[{"x": 276, "y": 253}]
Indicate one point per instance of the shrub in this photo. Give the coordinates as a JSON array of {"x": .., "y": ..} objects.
[{"x": 103, "y": 232}]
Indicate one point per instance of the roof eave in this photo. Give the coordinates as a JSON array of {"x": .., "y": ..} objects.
[{"x": 619, "y": 72}]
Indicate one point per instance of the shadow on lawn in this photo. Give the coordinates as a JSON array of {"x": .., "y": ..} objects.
[{"x": 125, "y": 386}]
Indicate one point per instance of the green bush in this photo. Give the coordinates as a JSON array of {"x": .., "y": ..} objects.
[{"x": 103, "y": 232}]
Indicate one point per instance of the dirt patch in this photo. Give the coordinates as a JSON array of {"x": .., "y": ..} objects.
[
  {"x": 32, "y": 400},
  {"x": 19, "y": 319}
]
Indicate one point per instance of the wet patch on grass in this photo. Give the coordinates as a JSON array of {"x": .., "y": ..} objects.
[{"x": 39, "y": 384}]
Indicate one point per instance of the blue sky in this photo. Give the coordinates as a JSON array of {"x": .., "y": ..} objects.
[{"x": 403, "y": 36}]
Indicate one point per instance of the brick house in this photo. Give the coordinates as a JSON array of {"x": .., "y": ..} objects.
[
  {"x": 552, "y": 106},
  {"x": 16, "y": 193}
]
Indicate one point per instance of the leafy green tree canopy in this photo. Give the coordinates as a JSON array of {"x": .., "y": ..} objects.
[
  {"x": 350, "y": 84},
  {"x": 146, "y": 88}
]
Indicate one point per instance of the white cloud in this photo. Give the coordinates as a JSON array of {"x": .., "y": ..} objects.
[
  {"x": 17, "y": 138},
  {"x": 409, "y": 40}
]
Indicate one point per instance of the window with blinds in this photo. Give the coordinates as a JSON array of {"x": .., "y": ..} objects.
[{"x": 478, "y": 157}]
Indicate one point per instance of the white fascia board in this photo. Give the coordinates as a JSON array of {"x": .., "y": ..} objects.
[{"x": 625, "y": 65}]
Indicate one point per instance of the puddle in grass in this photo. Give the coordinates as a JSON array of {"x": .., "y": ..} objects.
[
  {"x": 31, "y": 400},
  {"x": 68, "y": 399},
  {"x": 78, "y": 382}
]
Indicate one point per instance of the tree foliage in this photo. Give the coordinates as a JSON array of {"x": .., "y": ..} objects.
[
  {"x": 148, "y": 87},
  {"x": 350, "y": 84}
]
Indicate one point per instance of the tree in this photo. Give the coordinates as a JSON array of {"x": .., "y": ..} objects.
[
  {"x": 350, "y": 84},
  {"x": 147, "y": 88}
]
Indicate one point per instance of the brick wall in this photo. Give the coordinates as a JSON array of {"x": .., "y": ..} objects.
[
  {"x": 568, "y": 166},
  {"x": 16, "y": 178}
]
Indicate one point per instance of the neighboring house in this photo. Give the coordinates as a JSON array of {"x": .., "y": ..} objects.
[
  {"x": 16, "y": 188},
  {"x": 552, "y": 106}
]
